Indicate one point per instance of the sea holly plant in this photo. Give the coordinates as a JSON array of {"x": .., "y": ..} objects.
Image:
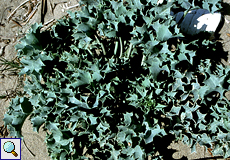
[{"x": 112, "y": 79}]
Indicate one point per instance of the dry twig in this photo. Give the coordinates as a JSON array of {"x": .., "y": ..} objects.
[
  {"x": 50, "y": 21},
  {"x": 3, "y": 131},
  {"x": 14, "y": 11},
  {"x": 66, "y": 7},
  {"x": 31, "y": 14},
  {"x": 33, "y": 6},
  {"x": 17, "y": 24},
  {"x": 2, "y": 51},
  {"x": 29, "y": 10}
]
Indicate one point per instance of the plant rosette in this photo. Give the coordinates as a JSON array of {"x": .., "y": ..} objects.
[{"x": 107, "y": 85}]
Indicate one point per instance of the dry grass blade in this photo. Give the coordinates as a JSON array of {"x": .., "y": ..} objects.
[
  {"x": 2, "y": 51},
  {"x": 209, "y": 151},
  {"x": 9, "y": 65},
  {"x": 3, "y": 131},
  {"x": 28, "y": 148},
  {"x": 14, "y": 11},
  {"x": 17, "y": 24},
  {"x": 29, "y": 9},
  {"x": 7, "y": 96},
  {"x": 31, "y": 14},
  {"x": 69, "y": 7},
  {"x": 50, "y": 21}
]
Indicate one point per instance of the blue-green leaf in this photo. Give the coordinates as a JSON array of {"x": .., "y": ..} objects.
[
  {"x": 127, "y": 118},
  {"x": 162, "y": 31},
  {"x": 37, "y": 122}
]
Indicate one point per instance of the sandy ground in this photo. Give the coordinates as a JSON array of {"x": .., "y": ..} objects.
[{"x": 12, "y": 28}]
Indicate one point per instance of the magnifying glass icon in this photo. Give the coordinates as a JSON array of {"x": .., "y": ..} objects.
[{"x": 9, "y": 147}]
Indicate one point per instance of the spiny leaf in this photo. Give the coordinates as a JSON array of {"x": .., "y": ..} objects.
[
  {"x": 155, "y": 67},
  {"x": 127, "y": 118},
  {"x": 37, "y": 122},
  {"x": 31, "y": 65},
  {"x": 162, "y": 31},
  {"x": 83, "y": 78},
  {"x": 139, "y": 154}
]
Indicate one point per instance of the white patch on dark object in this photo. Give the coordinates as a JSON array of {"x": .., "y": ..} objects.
[{"x": 196, "y": 21}]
